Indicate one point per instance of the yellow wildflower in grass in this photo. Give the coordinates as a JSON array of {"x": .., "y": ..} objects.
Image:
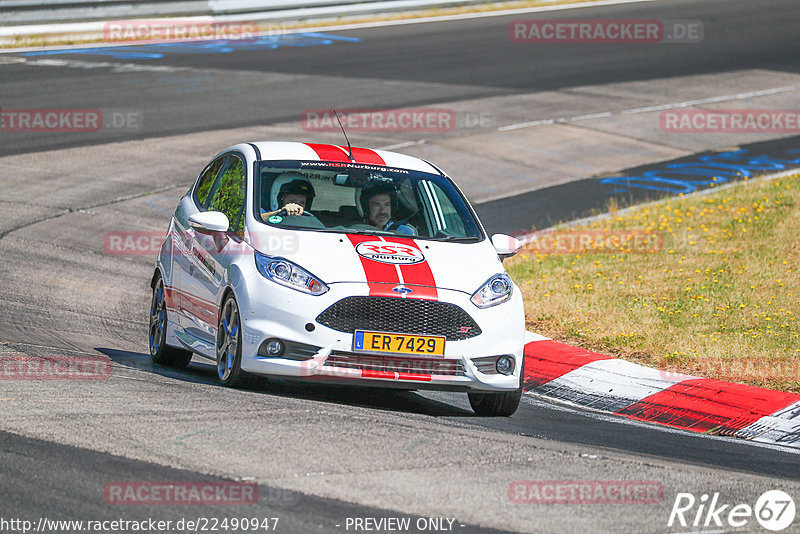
[{"x": 735, "y": 320}]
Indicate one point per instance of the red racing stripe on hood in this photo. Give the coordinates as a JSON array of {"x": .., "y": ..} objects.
[
  {"x": 417, "y": 274},
  {"x": 381, "y": 277}
]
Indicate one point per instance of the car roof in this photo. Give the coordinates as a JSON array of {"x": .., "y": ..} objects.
[{"x": 286, "y": 150}]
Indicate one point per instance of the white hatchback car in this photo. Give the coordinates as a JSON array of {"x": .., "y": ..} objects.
[{"x": 323, "y": 262}]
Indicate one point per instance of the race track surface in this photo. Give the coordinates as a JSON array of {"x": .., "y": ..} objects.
[
  {"x": 184, "y": 88},
  {"x": 320, "y": 454}
]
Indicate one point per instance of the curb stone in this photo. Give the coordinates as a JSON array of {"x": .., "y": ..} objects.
[{"x": 588, "y": 379}]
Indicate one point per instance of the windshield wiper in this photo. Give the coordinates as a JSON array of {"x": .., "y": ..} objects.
[
  {"x": 371, "y": 232},
  {"x": 455, "y": 238}
]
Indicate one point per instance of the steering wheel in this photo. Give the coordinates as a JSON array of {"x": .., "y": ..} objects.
[
  {"x": 405, "y": 220},
  {"x": 283, "y": 211}
]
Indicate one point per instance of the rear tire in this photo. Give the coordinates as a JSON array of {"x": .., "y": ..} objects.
[
  {"x": 160, "y": 352},
  {"x": 498, "y": 404}
]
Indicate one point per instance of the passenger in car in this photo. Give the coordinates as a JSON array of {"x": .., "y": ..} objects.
[{"x": 379, "y": 202}]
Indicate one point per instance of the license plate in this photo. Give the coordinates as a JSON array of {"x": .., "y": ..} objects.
[{"x": 388, "y": 342}]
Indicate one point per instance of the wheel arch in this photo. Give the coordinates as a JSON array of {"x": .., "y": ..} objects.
[
  {"x": 235, "y": 286},
  {"x": 156, "y": 274},
  {"x": 228, "y": 291}
]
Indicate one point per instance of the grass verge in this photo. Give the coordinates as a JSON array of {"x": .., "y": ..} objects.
[{"x": 703, "y": 284}]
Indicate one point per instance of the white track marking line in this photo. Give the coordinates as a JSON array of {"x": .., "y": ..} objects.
[
  {"x": 713, "y": 100},
  {"x": 661, "y": 107},
  {"x": 402, "y": 145},
  {"x": 116, "y": 67}
]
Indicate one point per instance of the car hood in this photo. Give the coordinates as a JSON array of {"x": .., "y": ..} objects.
[{"x": 384, "y": 262}]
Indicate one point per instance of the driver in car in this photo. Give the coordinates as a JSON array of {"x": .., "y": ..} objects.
[
  {"x": 379, "y": 202},
  {"x": 293, "y": 197}
]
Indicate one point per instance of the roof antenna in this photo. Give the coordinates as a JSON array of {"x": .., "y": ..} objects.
[{"x": 349, "y": 148}]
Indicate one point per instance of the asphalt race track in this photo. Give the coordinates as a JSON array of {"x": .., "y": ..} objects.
[
  {"x": 319, "y": 454},
  {"x": 189, "y": 90}
]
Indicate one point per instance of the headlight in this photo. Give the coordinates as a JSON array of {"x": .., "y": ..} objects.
[
  {"x": 497, "y": 289},
  {"x": 289, "y": 274}
]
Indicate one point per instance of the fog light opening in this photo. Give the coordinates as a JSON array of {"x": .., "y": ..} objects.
[
  {"x": 274, "y": 347},
  {"x": 505, "y": 365}
]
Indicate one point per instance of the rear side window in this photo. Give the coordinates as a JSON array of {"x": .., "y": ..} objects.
[
  {"x": 207, "y": 180},
  {"x": 230, "y": 193}
]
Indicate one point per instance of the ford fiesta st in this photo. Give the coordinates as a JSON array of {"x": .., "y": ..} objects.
[{"x": 325, "y": 262}]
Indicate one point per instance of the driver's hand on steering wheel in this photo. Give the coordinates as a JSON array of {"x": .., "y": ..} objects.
[{"x": 293, "y": 209}]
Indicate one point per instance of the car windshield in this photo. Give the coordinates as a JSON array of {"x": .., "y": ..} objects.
[{"x": 362, "y": 199}]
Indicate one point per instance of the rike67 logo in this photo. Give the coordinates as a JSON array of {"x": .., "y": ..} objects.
[{"x": 774, "y": 510}]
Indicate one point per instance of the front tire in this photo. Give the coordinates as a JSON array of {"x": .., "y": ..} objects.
[
  {"x": 229, "y": 349},
  {"x": 160, "y": 352},
  {"x": 498, "y": 404}
]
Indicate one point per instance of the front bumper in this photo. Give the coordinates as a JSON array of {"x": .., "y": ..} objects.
[
  {"x": 323, "y": 366},
  {"x": 333, "y": 358}
]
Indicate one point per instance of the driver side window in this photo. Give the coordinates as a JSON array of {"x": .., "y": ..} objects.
[
  {"x": 206, "y": 181},
  {"x": 230, "y": 193}
]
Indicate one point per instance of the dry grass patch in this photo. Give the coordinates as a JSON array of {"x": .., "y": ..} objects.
[{"x": 707, "y": 285}]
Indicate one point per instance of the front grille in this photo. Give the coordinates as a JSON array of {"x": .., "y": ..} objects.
[
  {"x": 405, "y": 316},
  {"x": 396, "y": 364}
]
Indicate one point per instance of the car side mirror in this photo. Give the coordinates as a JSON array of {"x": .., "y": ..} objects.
[
  {"x": 209, "y": 222},
  {"x": 505, "y": 245}
]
